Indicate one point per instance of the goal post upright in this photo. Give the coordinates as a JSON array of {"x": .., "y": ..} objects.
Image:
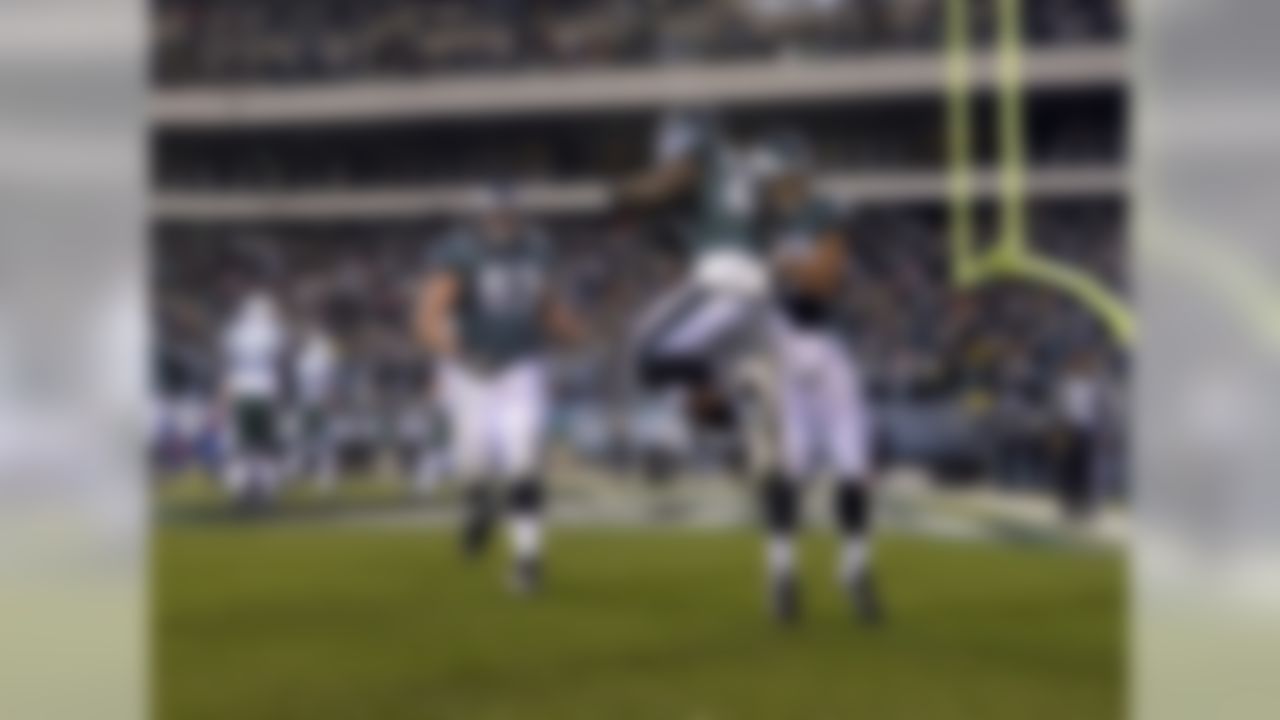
[{"x": 1010, "y": 258}]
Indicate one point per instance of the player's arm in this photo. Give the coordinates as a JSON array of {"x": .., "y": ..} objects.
[
  {"x": 433, "y": 316},
  {"x": 657, "y": 186},
  {"x": 822, "y": 270},
  {"x": 679, "y": 145}
]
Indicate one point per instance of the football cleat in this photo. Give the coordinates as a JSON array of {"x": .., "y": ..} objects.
[{"x": 864, "y": 596}]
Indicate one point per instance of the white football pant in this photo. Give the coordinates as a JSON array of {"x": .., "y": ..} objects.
[
  {"x": 823, "y": 422},
  {"x": 497, "y": 420}
]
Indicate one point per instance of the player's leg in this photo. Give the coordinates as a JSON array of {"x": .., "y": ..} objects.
[
  {"x": 316, "y": 447},
  {"x": 648, "y": 348},
  {"x": 781, "y": 490},
  {"x": 236, "y": 467},
  {"x": 664, "y": 373},
  {"x": 781, "y": 501},
  {"x": 678, "y": 342},
  {"x": 267, "y": 447},
  {"x": 253, "y": 466},
  {"x": 522, "y": 395},
  {"x": 466, "y": 401},
  {"x": 241, "y": 475},
  {"x": 846, "y": 435}
]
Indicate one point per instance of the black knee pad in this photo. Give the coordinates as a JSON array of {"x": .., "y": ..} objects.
[
  {"x": 526, "y": 496},
  {"x": 781, "y": 501},
  {"x": 853, "y": 507}
]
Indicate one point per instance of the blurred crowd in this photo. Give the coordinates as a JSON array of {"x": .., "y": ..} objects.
[
  {"x": 211, "y": 42},
  {"x": 966, "y": 379}
]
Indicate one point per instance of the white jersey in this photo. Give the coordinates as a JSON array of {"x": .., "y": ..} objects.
[
  {"x": 315, "y": 370},
  {"x": 251, "y": 350}
]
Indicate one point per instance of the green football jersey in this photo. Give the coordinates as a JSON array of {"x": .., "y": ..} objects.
[
  {"x": 503, "y": 292},
  {"x": 726, "y": 205},
  {"x": 796, "y": 235}
]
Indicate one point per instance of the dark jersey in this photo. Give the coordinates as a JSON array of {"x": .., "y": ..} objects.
[
  {"x": 725, "y": 212},
  {"x": 503, "y": 293},
  {"x": 796, "y": 235}
]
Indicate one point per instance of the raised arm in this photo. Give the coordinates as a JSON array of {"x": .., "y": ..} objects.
[
  {"x": 680, "y": 141},
  {"x": 658, "y": 185}
]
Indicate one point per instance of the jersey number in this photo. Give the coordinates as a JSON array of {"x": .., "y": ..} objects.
[{"x": 509, "y": 289}]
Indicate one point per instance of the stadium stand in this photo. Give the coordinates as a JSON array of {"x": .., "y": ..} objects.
[
  {"x": 322, "y": 144},
  {"x": 291, "y": 41}
]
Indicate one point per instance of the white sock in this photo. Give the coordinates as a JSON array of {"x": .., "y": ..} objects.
[
  {"x": 855, "y": 555},
  {"x": 526, "y": 536},
  {"x": 780, "y": 556}
]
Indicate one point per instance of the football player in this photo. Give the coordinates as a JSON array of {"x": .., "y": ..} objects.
[
  {"x": 487, "y": 313},
  {"x": 822, "y": 415},
  {"x": 689, "y": 344}
]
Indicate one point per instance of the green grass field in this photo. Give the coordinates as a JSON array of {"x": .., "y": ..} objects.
[{"x": 317, "y": 622}]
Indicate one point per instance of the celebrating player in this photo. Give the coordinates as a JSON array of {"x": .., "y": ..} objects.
[
  {"x": 688, "y": 341},
  {"x": 487, "y": 312},
  {"x": 822, "y": 413}
]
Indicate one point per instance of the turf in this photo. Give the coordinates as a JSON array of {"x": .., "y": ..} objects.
[{"x": 318, "y": 622}]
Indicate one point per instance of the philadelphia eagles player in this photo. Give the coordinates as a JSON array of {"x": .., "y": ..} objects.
[
  {"x": 487, "y": 313},
  {"x": 822, "y": 417},
  {"x": 685, "y": 343}
]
